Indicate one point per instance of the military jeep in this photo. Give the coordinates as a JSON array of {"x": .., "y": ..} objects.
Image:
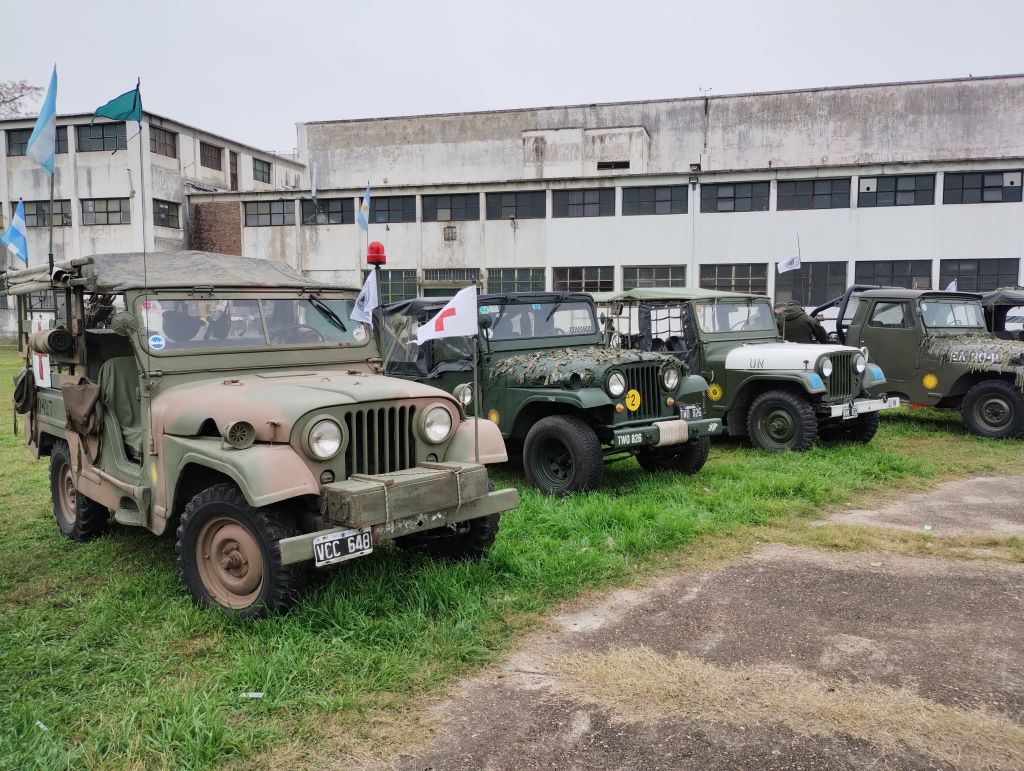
[
  {"x": 561, "y": 399},
  {"x": 781, "y": 395},
  {"x": 237, "y": 398},
  {"x": 938, "y": 352}
]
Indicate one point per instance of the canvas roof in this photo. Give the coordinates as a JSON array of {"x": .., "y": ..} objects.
[{"x": 670, "y": 293}]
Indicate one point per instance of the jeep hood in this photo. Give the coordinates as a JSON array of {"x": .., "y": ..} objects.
[
  {"x": 550, "y": 367},
  {"x": 281, "y": 397},
  {"x": 781, "y": 356}
]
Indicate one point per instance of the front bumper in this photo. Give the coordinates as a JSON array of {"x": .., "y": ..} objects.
[
  {"x": 664, "y": 433},
  {"x": 852, "y": 409},
  {"x": 300, "y": 548}
]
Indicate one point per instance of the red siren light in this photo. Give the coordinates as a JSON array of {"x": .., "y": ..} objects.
[{"x": 375, "y": 253}]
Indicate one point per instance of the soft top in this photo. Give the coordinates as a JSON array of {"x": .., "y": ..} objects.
[
  {"x": 113, "y": 273},
  {"x": 897, "y": 293},
  {"x": 1011, "y": 296},
  {"x": 419, "y": 304},
  {"x": 671, "y": 293}
]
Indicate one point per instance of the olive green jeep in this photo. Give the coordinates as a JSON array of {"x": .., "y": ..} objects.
[
  {"x": 559, "y": 397},
  {"x": 236, "y": 398},
  {"x": 781, "y": 395},
  {"x": 938, "y": 352}
]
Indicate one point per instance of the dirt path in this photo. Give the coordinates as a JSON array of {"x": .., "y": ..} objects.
[{"x": 791, "y": 657}]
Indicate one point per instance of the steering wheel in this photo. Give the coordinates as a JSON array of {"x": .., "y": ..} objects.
[
  {"x": 742, "y": 323},
  {"x": 295, "y": 327}
]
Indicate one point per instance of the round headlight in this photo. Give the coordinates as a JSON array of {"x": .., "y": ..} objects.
[
  {"x": 670, "y": 378},
  {"x": 324, "y": 439},
  {"x": 437, "y": 424},
  {"x": 616, "y": 384},
  {"x": 826, "y": 367},
  {"x": 860, "y": 363},
  {"x": 464, "y": 393}
]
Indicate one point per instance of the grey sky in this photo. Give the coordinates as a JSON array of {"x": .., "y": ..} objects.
[{"x": 251, "y": 70}]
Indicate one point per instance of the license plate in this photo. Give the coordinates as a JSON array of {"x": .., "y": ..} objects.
[
  {"x": 691, "y": 412},
  {"x": 849, "y": 411},
  {"x": 630, "y": 440},
  {"x": 341, "y": 545}
]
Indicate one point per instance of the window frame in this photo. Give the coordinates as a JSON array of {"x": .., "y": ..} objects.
[
  {"x": 163, "y": 142},
  {"x": 912, "y": 265},
  {"x": 112, "y": 136},
  {"x": 280, "y": 212},
  {"x": 869, "y": 199},
  {"x": 583, "y": 202},
  {"x": 518, "y": 282},
  {"x": 258, "y": 172},
  {"x": 813, "y": 289},
  {"x": 807, "y": 194},
  {"x": 398, "y": 209},
  {"x": 206, "y": 157},
  {"x": 32, "y": 212},
  {"x": 582, "y": 278},
  {"x": 524, "y": 205},
  {"x": 91, "y": 216},
  {"x": 173, "y": 214},
  {"x": 639, "y": 282},
  {"x": 734, "y": 281},
  {"x": 331, "y": 215},
  {"x": 466, "y": 203},
  {"x": 61, "y": 141},
  {"x": 1001, "y": 275},
  {"x": 954, "y": 185},
  {"x": 408, "y": 281},
  {"x": 676, "y": 196},
  {"x": 760, "y": 191}
]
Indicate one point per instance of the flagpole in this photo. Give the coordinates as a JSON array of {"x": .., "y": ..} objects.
[
  {"x": 800, "y": 269},
  {"x": 50, "y": 218},
  {"x": 476, "y": 398}
]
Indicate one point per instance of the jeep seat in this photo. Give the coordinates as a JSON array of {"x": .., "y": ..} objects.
[{"x": 119, "y": 383}]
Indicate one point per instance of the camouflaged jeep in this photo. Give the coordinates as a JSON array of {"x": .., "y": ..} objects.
[
  {"x": 566, "y": 403},
  {"x": 237, "y": 399}
]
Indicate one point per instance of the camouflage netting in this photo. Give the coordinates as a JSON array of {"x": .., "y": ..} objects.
[
  {"x": 550, "y": 367},
  {"x": 981, "y": 353}
]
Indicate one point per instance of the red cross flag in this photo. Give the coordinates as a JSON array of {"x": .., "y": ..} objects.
[{"x": 456, "y": 319}]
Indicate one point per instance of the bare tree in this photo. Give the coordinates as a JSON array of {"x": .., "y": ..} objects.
[{"x": 12, "y": 95}]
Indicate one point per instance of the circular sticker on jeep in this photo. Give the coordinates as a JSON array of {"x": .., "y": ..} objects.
[
  {"x": 929, "y": 381},
  {"x": 715, "y": 392},
  {"x": 156, "y": 342},
  {"x": 632, "y": 400}
]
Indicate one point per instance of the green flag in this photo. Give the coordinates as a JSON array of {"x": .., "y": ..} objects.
[{"x": 128, "y": 106}]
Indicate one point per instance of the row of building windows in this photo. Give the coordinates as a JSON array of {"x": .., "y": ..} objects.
[
  {"x": 97, "y": 211},
  {"x": 813, "y": 284},
  {"x": 900, "y": 190},
  {"x": 93, "y": 137}
]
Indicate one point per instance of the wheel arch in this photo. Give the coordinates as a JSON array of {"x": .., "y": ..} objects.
[
  {"x": 533, "y": 411},
  {"x": 736, "y": 416}
]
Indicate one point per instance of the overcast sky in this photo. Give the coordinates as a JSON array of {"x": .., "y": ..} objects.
[{"x": 251, "y": 70}]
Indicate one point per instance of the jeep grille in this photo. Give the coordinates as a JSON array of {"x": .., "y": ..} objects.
[
  {"x": 840, "y": 385},
  {"x": 644, "y": 378},
  {"x": 380, "y": 440}
]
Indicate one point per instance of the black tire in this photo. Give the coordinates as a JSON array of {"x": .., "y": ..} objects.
[
  {"x": 562, "y": 455},
  {"x": 242, "y": 572},
  {"x": 687, "y": 459},
  {"x": 782, "y": 421},
  {"x": 466, "y": 541},
  {"x": 994, "y": 409},
  {"x": 861, "y": 429},
  {"x": 78, "y": 517}
]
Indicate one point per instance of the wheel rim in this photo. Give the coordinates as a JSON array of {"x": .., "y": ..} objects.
[
  {"x": 553, "y": 463},
  {"x": 994, "y": 412},
  {"x": 778, "y": 426},
  {"x": 68, "y": 495},
  {"x": 230, "y": 562}
]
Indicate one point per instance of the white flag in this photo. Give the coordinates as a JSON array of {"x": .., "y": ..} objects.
[
  {"x": 456, "y": 319},
  {"x": 790, "y": 263},
  {"x": 366, "y": 301},
  {"x": 951, "y": 287}
]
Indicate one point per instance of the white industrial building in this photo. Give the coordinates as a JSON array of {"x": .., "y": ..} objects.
[{"x": 908, "y": 183}]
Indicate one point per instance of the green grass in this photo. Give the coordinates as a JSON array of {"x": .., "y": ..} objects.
[{"x": 104, "y": 662}]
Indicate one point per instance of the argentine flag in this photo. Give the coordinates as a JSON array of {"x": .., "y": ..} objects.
[
  {"x": 43, "y": 142},
  {"x": 363, "y": 217},
  {"x": 14, "y": 238}
]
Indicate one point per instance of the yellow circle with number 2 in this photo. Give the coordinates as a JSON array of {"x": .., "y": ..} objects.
[{"x": 633, "y": 400}]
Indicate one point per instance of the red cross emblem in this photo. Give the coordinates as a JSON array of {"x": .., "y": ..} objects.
[{"x": 439, "y": 321}]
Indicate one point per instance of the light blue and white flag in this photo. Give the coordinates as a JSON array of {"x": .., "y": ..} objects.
[
  {"x": 43, "y": 143},
  {"x": 14, "y": 238},
  {"x": 363, "y": 217}
]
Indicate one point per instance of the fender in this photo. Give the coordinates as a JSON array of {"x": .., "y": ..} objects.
[
  {"x": 492, "y": 446},
  {"x": 804, "y": 380},
  {"x": 265, "y": 473}
]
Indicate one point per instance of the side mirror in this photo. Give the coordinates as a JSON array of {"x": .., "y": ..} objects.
[
  {"x": 486, "y": 322},
  {"x": 124, "y": 323},
  {"x": 601, "y": 317}
]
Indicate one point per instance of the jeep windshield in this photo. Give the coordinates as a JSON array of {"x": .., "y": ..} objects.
[
  {"x": 951, "y": 313},
  {"x": 550, "y": 318},
  {"x": 222, "y": 323},
  {"x": 719, "y": 316}
]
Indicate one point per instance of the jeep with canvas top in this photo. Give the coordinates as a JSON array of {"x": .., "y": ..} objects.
[
  {"x": 782, "y": 395},
  {"x": 558, "y": 396},
  {"x": 238, "y": 399},
  {"x": 938, "y": 351}
]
